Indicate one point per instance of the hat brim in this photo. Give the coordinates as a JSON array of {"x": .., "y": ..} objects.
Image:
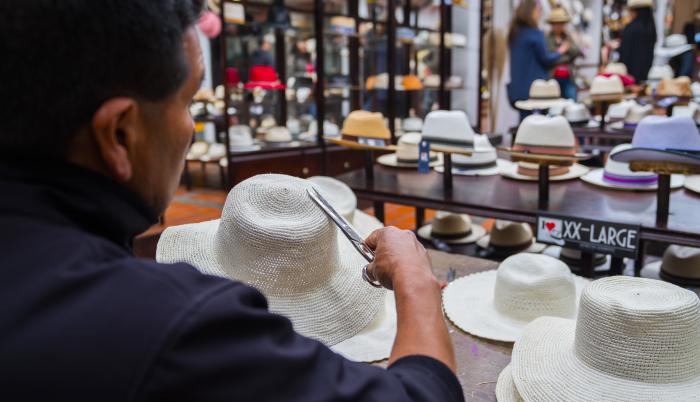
[
  {"x": 535, "y": 248},
  {"x": 534, "y": 104},
  {"x": 320, "y": 313},
  {"x": 391, "y": 160},
  {"x": 596, "y": 178},
  {"x": 247, "y": 148},
  {"x": 672, "y": 51},
  {"x": 486, "y": 171},
  {"x": 692, "y": 183},
  {"x": 505, "y": 387},
  {"x": 610, "y": 97},
  {"x": 468, "y": 303},
  {"x": 576, "y": 171},
  {"x": 477, "y": 232},
  {"x": 655, "y": 155},
  {"x": 545, "y": 368}
]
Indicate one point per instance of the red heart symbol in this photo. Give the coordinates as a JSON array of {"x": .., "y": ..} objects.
[{"x": 550, "y": 226}]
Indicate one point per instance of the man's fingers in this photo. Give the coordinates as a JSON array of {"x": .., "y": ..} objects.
[{"x": 373, "y": 239}]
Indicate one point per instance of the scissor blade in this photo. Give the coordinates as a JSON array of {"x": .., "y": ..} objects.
[{"x": 338, "y": 219}]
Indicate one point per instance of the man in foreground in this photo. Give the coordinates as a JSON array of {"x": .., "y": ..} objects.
[{"x": 94, "y": 135}]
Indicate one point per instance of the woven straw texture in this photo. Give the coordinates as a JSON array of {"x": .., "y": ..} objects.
[
  {"x": 505, "y": 387},
  {"x": 273, "y": 237},
  {"x": 499, "y": 304},
  {"x": 635, "y": 339}
]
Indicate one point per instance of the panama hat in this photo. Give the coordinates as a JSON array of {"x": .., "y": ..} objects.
[
  {"x": 611, "y": 85},
  {"x": 508, "y": 238},
  {"x": 616, "y": 69},
  {"x": 525, "y": 171},
  {"x": 692, "y": 183},
  {"x": 679, "y": 265},
  {"x": 674, "y": 87},
  {"x": 498, "y": 304},
  {"x": 448, "y": 127},
  {"x": 657, "y": 73},
  {"x": 412, "y": 124},
  {"x": 361, "y": 123},
  {"x": 618, "y": 176},
  {"x": 636, "y": 113},
  {"x": 543, "y": 95},
  {"x": 640, "y": 3},
  {"x": 558, "y": 15},
  {"x": 633, "y": 339},
  {"x": 576, "y": 113},
  {"x": 278, "y": 135},
  {"x": 407, "y": 153},
  {"x": 691, "y": 110},
  {"x": 619, "y": 110},
  {"x": 197, "y": 150},
  {"x": 541, "y": 134},
  {"x": 452, "y": 229},
  {"x": 241, "y": 139},
  {"x": 664, "y": 139},
  {"x": 264, "y": 77},
  {"x": 273, "y": 237},
  {"x": 505, "y": 387},
  {"x": 483, "y": 160},
  {"x": 673, "y": 46}
]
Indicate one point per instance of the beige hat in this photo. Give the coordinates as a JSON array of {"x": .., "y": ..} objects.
[
  {"x": 674, "y": 87},
  {"x": 448, "y": 127},
  {"x": 611, "y": 85},
  {"x": 507, "y": 238},
  {"x": 361, "y": 123},
  {"x": 499, "y": 304},
  {"x": 558, "y": 15},
  {"x": 452, "y": 229},
  {"x": 634, "y": 339},
  {"x": 543, "y": 95},
  {"x": 216, "y": 151},
  {"x": 636, "y": 113},
  {"x": 616, "y": 68},
  {"x": 640, "y": 3},
  {"x": 273, "y": 237},
  {"x": 278, "y": 135},
  {"x": 619, "y": 110},
  {"x": 407, "y": 153},
  {"x": 540, "y": 134},
  {"x": 197, "y": 150},
  {"x": 679, "y": 264},
  {"x": 692, "y": 183},
  {"x": 657, "y": 73}
]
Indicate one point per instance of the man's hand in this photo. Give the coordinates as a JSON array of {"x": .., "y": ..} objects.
[{"x": 399, "y": 256}]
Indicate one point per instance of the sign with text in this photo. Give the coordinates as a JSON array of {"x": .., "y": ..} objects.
[{"x": 618, "y": 240}]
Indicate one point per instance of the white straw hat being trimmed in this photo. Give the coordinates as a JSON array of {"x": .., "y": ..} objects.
[
  {"x": 452, "y": 229},
  {"x": 273, "y": 237},
  {"x": 634, "y": 339},
  {"x": 498, "y": 304}
]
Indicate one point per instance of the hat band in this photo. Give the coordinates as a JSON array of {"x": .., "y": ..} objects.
[
  {"x": 433, "y": 158},
  {"x": 448, "y": 142},
  {"x": 512, "y": 249},
  {"x": 629, "y": 179},
  {"x": 450, "y": 236},
  {"x": 477, "y": 166}
]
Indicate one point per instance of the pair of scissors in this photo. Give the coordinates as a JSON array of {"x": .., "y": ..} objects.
[{"x": 349, "y": 232}]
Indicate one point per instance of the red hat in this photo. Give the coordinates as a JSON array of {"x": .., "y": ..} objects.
[
  {"x": 232, "y": 76},
  {"x": 210, "y": 24},
  {"x": 264, "y": 77}
]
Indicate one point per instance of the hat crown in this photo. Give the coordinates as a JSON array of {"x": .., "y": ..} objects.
[
  {"x": 545, "y": 89},
  {"x": 681, "y": 261},
  {"x": 532, "y": 285},
  {"x": 506, "y": 233},
  {"x": 622, "y": 169},
  {"x": 659, "y": 132},
  {"x": 607, "y": 85},
  {"x": 660, "y": 72},
  {"x": 274, "y": 237},
  {"x": 640, "y": 330},
  {"x": 637, "y": 112},
  {"x": 543, "y": 131},
  {"x": 449, "y": 223},
  {"x": 361, "y": 123},
  {"x": 616, "y": 68},
  {"x": 448, "y": 125},
  {"x": 278, "y": 134},
  {"x": 676, "y": 40},
  {"x": 263, "y": 73}
]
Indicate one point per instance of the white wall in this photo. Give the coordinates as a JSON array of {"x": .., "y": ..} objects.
[{"x": 465, "y": 61}]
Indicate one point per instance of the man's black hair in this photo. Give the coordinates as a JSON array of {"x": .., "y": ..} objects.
[{"x": 61, "y": 59}]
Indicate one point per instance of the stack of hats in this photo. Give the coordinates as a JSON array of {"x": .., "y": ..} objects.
[
  {"x": 313, "y": 280},
  {"x": 452, "y": 228},
  {"x": 618, "y": 176},
  {"x": 633, "y": 339},
  {"x": 408, "y": 153},
  {"x": 278, "y": 136},
  {"x": 679, "y": 265},
  {"x": 544, "y": 135},
  {"x": 508, "y": 238},
  {"x": 498, "y": 305},
  {"x": 543, "y": 95},
  {"x": 366, "y": 128},
  {"x": 573, "y": 257}
]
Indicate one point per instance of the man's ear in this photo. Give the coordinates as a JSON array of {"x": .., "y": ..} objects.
[{"x": 114, "y": 128}]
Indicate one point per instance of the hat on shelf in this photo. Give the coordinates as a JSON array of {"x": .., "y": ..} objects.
[
  {"x": 381, "y": 81},
  {"x": 343, "y": 25},
  {"x": 216, "y": 151},
  {"x": 498, "y": 304},
  {"x": 483, "y": 160},
  {"x": 674, "y": 87},
  {"x": 411, "y": 83},
  {"x": 264, "y": 77},
  {"x": 558, "y": 15},
  {"x": 574, "y": 258},
  {"x": 241, "y": 139},
  {"x": 611, "y": 85},
  {"x": 278, "y": 135},
  {"x": 210, "y": 24},
  {"x": 452, "y": 229},
  {"x": 330, "y": 130},
  {"x": 267, "y": 121},
  {"x": 343, "y": 199},
  {"x": 679, "y": 264},
  {"x": 432, "y": 81},
  {"x": 674, "y": 45},
  {"x": 197, "y": 150},
  {"x": 301, "y": 21},
  {"x": 633, "y": 338},
  {"x": 407, "y": 153},
  {"x": 543, "y": 95},
  {"x": 636, "y": 113},
  {"x": 664, "y": 139},
  {"x": 618, "y": 176},
  {"x": 619, "y": 110},
  {"x": 508, "y": 238},
  {"x": 616, "y": 69},
  {"x": 692, "y": 183},
  {"x": 691, "y": 110},
  {"x": 576, "y": 113},
  {"x": 273, "y": 237},
  {"x": 364, "y": 124},
  {"x": 640, "y": 3},
  {"x": 414, "y": 124},
  {"x": 448, "y": 127},
  {"x": 658, "y": 73}
]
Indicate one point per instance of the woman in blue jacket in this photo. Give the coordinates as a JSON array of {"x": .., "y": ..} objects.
[{"x": 529, "y": 57}]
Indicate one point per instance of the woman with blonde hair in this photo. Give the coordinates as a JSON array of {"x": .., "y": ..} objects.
[{"x": 529, "y": 57}]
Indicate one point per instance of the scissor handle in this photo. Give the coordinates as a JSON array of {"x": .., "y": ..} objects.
[{"x": 366, "y": 252}]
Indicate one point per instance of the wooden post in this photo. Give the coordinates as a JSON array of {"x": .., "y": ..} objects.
[
  {"x": 447, "y": 173},
  {"x": 663, "y": 199},
  {"x": 543, "y": 183}
]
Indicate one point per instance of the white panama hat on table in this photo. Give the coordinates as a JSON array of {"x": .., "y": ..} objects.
[
  {"x": 543, "y": 95},
  {"x": 407, "y": 153},
  {"x": 498, "y": 304},
  {"x": 273, "y": 237},
  {"x": 452, "y": 228},
  {"x": 634, "y": 339},
  {"x": 618, "y": 176},
  {"x": 507, "y": 238}
]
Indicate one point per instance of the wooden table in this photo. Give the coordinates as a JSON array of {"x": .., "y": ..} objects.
[{"x": 479, "y": 361}]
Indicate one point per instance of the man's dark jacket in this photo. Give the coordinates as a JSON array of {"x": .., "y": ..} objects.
[{"x": 83, "y": 320}]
